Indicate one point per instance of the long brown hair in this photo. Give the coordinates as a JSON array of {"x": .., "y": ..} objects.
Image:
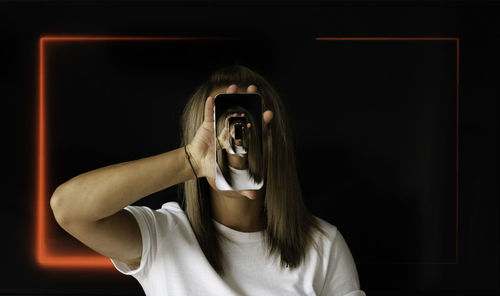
[{"x": 289, "y": 225}]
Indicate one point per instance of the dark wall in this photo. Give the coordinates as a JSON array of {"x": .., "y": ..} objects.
[{"x": 387, "y": 150}]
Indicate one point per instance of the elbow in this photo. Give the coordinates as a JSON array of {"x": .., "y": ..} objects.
[{"x": 60, "y": 206}]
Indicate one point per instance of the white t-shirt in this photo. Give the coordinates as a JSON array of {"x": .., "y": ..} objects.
[
  {"x": 239, "y": 149},
  {"x": 172, "y": 262}
]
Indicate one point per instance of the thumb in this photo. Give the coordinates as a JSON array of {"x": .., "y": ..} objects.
[{"x": 209, "y": 109}]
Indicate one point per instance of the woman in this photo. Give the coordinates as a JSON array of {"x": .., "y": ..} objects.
[{"x": 252, "y": 242}]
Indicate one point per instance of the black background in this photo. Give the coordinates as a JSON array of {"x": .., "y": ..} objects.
[{"x": 375, "y": 124}]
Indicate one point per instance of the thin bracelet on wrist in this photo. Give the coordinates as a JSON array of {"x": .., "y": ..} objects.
[{"x": 189, "y": 160}]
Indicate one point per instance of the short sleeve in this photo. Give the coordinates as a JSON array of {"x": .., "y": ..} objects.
[
  {"x": 341, "y": 275},
  {"x": 146, "y": 221}
]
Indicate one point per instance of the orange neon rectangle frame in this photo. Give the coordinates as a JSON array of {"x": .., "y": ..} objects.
[{"x": 43, "y": 255}]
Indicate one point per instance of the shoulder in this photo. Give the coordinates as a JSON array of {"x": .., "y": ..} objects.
[
  {"x": 158, "y": 228},
  {"x": 171, "y": 208},
  {"x": 331, "y": 242},
  {"x": 169, "y": 215},
  {"x": 330, "y": 231}
]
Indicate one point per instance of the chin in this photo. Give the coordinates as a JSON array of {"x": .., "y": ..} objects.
[{"x": 249, "y": 194}]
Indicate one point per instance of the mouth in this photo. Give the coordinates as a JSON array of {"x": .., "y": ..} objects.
[{"x": 251, "y": 194}]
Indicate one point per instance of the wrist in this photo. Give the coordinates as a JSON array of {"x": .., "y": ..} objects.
[{"x": 193, "y": 163}]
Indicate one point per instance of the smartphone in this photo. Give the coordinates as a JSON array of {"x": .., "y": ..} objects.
[
  {"x": 238, "y": 131},
  {"x": 239, "y": 154},
  {"x": 237, "y": 125}
]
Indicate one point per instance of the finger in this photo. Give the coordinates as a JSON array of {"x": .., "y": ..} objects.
[
  {"x": 267, "y": 116},
  {"x": 226, "y": 122},
  {"x": 252, "y": 88},
  {"x": 209, "y": 109},
  {"x": 233, "y": 88}
]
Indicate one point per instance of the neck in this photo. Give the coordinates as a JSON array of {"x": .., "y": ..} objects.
[{"x": 238, "y": 212}]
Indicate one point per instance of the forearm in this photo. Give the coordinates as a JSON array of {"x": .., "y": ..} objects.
[{"x": 100, "y": 193}]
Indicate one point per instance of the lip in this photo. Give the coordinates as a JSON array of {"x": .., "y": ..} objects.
[{"x": 251, "y": 194}]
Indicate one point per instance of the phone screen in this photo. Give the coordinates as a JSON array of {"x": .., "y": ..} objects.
[
  {"x": 238, "y": 131},
  {"x": 238, "y": 138},
  {"x": 237, "y": 126}
]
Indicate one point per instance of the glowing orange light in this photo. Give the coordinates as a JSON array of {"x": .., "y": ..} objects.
[{"x": 43, "y": 255}]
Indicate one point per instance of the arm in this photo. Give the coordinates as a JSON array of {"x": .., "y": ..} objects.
[{"x": 90, "y": 205}]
